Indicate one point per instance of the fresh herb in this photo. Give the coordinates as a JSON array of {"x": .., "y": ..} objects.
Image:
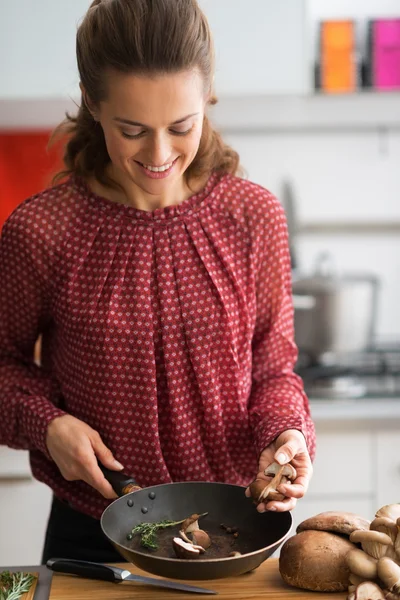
[
  {"x": 148, "y": 532},
  {"x": 14, "y": 585}
]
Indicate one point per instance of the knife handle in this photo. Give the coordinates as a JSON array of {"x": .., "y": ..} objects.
[{"x": 84, "y": 568}]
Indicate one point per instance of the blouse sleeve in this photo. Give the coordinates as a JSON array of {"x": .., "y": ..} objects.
[
  {"x": 27, "y": 394},
  {"x": 277, "y": 400}
]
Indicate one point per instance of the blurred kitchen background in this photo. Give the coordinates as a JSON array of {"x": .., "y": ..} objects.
[{"x": 309, "y": 94}]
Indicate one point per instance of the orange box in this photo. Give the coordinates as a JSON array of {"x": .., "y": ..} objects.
[{"x": 338, "y": 68}]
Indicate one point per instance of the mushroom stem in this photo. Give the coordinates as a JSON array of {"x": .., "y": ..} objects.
[{"x": 389, "y": 573}]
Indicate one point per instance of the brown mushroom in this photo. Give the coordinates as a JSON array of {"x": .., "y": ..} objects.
[
  {"x": 263, "y": 490},
  {"x": 315, "y": 560},
  {"x": 374, "y": 543},
  {"x": 335, "y": 521},
  {"x": 185, "y": 550},
  {"x": 201, "y": 538}
]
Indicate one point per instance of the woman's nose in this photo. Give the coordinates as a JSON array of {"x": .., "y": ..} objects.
[{"x": 160, "y": 152}]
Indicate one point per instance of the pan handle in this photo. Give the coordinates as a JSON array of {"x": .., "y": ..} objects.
[{"x": 121, "y": 483}]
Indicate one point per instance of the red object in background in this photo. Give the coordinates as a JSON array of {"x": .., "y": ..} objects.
[{"x": 26, "y": 167}]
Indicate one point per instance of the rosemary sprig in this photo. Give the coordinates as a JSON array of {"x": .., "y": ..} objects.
[
  {"x": 148, "y": 532},
  {"x": 13, "y": 585}
]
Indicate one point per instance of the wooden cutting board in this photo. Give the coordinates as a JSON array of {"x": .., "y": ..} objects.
[
  {"x": 30, "y": 595},
  {"x": 264, "y": 583}
]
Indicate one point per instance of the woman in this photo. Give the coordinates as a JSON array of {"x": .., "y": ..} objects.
[{"x": 160, "y": 284}]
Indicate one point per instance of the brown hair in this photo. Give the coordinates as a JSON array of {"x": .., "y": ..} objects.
[{"x": 141, "y": 37}]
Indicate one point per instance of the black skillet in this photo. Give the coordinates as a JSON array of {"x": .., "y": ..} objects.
[{"x": 258, "y": 534}]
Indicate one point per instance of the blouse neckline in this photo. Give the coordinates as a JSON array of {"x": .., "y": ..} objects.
[{"x": 189, "y": 205}]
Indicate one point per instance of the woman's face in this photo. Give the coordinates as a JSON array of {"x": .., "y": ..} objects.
[{"x": 152, "y": 127}]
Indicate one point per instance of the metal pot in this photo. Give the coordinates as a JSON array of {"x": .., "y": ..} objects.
[{"x": 334, "y": 314}]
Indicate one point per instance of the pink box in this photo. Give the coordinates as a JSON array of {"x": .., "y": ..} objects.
[{"x": 386, "y": 55}]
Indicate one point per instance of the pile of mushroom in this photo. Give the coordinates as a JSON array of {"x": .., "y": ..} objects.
[
  {"x": 335, "y": 551},
  {"x": 374, "y": 568},
  {"x": 191, "y": 548},
  {"x": 315, "y": 558}
]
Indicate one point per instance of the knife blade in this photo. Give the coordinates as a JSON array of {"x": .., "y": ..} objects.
[{"x": 93, "y": 570}]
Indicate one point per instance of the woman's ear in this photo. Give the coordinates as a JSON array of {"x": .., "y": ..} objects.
[{"x": 90, "y": 106}]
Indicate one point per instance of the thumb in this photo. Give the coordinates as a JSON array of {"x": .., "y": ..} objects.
[
  {"x": 287, "y": 452},
  {"x": 105, "y": 455}
]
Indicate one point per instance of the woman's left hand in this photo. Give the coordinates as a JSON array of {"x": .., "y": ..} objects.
[{"x": 289, "y": 446}]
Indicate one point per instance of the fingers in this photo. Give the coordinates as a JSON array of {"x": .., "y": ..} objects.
[
  {"x": 95, "y": 478},
  {"x": 275, "y": 506},
  {"x": 104, "y": 454}
]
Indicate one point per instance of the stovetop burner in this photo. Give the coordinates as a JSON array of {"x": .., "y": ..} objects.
[{"x": 373, "y": 373}]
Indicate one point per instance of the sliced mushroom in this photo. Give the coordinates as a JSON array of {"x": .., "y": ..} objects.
[
  {"x": 368, "y": 591},
  {"x": 391, "y": 511},
  {"x": 374, "y": 543},
  {"x": 201, "y": 538},
  {"x": 362, "y": 564},
  {"x": 262, "y": 490},
  {"x": 389, "y": 574},
  {"x": 385, "y": 525},
  {"x": 185, "y": 550},
  {"x": 335, "y": 521}
]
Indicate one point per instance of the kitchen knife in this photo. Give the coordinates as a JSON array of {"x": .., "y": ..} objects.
[{"x": 93, "y": 570}]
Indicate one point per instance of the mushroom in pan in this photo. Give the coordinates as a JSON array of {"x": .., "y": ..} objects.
[
  {"x": 186, "y": 550},
  {"x": 199, "y": 536},
  {"x": 263, "y": 491}
]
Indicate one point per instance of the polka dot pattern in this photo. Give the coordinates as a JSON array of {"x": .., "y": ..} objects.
[{"x": 169, "y": 332}]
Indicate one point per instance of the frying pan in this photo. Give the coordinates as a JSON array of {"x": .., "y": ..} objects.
[{"x": 258, "y": 534}]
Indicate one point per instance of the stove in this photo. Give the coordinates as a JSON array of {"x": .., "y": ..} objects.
[{"x": 373, "y": 373}]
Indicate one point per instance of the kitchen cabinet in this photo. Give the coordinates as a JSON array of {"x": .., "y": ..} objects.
[
  {"x": 261, "y": 46},
  {"x": 387, "y": 474}
]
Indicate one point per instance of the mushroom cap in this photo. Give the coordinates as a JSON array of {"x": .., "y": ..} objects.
[
  {"x": 385, "y": 525},
  {"x": 374, "y": 543},
  {"x": 201, "y": 538},
  {"x": 184, "y": 550},
  {"x": 391, "y": 511},
  {"x": 315, "y": 560},
  {"x": 368, "y": 591},
  {"x": 361, "y": 564},
  {"x": 335, "y": 521}
]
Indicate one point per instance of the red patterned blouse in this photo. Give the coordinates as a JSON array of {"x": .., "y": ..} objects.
[{"x": 169, "y": 332}]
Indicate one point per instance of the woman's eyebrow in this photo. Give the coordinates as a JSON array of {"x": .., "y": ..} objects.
[{"x": 137, "y": 124}]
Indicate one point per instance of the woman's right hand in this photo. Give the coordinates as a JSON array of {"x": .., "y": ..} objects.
[{"x": 75, "y": 447}]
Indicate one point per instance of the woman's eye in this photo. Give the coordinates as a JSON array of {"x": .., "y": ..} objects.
[
  {"x": 132, "y": 136},
  {"x": 178, "y": 132}
]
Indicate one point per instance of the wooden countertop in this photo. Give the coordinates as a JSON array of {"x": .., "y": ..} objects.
[{"x": 262, "y": 584}]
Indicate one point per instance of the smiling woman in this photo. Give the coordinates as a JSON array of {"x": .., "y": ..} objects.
[{"x": 159, "y": 282}]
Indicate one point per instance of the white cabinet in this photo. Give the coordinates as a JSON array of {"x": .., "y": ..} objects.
[
  {"x": 354, "y": 470},
  {"x": 261, "y": 46},
  {"x": 387, "y": 475}
]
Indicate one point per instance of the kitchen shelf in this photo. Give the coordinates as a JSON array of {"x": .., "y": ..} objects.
[{"x": 245, "y": 114}]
